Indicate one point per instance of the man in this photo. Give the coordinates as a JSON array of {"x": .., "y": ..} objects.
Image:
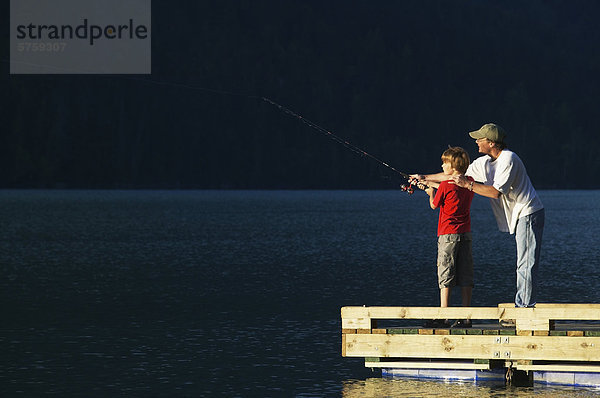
[{"x": 501, "y": 176}]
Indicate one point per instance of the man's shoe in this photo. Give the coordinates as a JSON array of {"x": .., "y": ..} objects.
[
  {"x": 437, "y": 323},
  {"x": 508, "y": 323},
  {"x": 462, "y": 323}
]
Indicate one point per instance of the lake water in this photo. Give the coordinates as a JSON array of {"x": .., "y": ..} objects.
[{"x": 238, "y": 293}]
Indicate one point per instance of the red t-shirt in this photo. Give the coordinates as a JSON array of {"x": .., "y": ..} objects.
[{"x": 454, "y": 203}]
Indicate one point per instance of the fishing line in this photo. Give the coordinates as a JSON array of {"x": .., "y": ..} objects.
[
  {"x": 334, "y": 137},
  {"x": 288, "y": 111},
  {"x": 285, "y": 110}
]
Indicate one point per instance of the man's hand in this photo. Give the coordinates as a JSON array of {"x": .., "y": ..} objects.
[
  {"x": 460, "y": 180},
  {"x": 417, "y": 178},
  {"x": 481, "y": 189}
]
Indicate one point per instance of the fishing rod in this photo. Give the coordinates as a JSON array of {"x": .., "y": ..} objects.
[
  {"x": 411, "y": 182},
  {"x": 408, "y": 188}
]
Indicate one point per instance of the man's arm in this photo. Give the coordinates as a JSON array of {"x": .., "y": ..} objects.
[
  {"x": 481, "y": 189},
  {"x": 438, "y": 177}
]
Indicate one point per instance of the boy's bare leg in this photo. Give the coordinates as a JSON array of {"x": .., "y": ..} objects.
[{"x": 445, "y": 297}]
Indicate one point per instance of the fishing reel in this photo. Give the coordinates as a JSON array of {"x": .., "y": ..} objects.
[
  {"x": 410, "y": 187},
  {"x": 407, "y": 188}
]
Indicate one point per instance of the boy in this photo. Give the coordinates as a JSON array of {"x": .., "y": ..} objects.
[{"x": 455, "y": 259}]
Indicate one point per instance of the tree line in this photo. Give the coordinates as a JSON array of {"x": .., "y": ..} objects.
[{"x": 401, "y": 80}]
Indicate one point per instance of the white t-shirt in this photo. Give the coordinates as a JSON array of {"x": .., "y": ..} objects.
[{"x": 508, "y": 175}]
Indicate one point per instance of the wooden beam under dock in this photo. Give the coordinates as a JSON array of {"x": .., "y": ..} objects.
[{"x": 552, "y": 337}]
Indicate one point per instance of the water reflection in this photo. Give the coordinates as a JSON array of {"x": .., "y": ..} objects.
[{"x": 396, "y": 387}]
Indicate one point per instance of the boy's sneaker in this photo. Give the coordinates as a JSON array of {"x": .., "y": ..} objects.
[
  {"x": 437, "y": 323},
  {"x": 462, "y": 323}
]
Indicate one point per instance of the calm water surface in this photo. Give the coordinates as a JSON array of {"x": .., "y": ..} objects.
[{"x": 237, "y": 293}]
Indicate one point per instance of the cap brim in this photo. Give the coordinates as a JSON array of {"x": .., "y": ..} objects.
[{"x": 477, "y": 134}]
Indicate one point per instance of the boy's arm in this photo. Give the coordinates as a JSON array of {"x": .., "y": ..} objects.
[{"x": 431, "y": 192}]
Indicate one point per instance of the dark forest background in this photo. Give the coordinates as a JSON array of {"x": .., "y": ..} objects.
[{"x": 400, "y": 79}]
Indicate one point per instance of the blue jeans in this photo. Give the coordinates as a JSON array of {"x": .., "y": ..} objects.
[{"x": 528, "y": 235}]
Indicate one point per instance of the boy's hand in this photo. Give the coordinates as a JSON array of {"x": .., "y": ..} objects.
[
  {"x": 418, "y": 180},
  {"x": 422, "y": 186}
]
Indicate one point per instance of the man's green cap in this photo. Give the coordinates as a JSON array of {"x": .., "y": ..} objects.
[{"x": 491, "y": 131}]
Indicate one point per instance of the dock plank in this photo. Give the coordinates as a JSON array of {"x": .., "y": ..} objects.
[
  {"x": 563, "y": 348},
  {"x": 526, "y": 315},
  {"x": 426, "y": 365}
]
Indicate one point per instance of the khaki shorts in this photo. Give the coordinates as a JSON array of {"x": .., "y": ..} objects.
[{"x": 455, "y": 260}]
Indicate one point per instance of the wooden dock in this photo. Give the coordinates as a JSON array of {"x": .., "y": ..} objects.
[{"x": 551, "y": 343}]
